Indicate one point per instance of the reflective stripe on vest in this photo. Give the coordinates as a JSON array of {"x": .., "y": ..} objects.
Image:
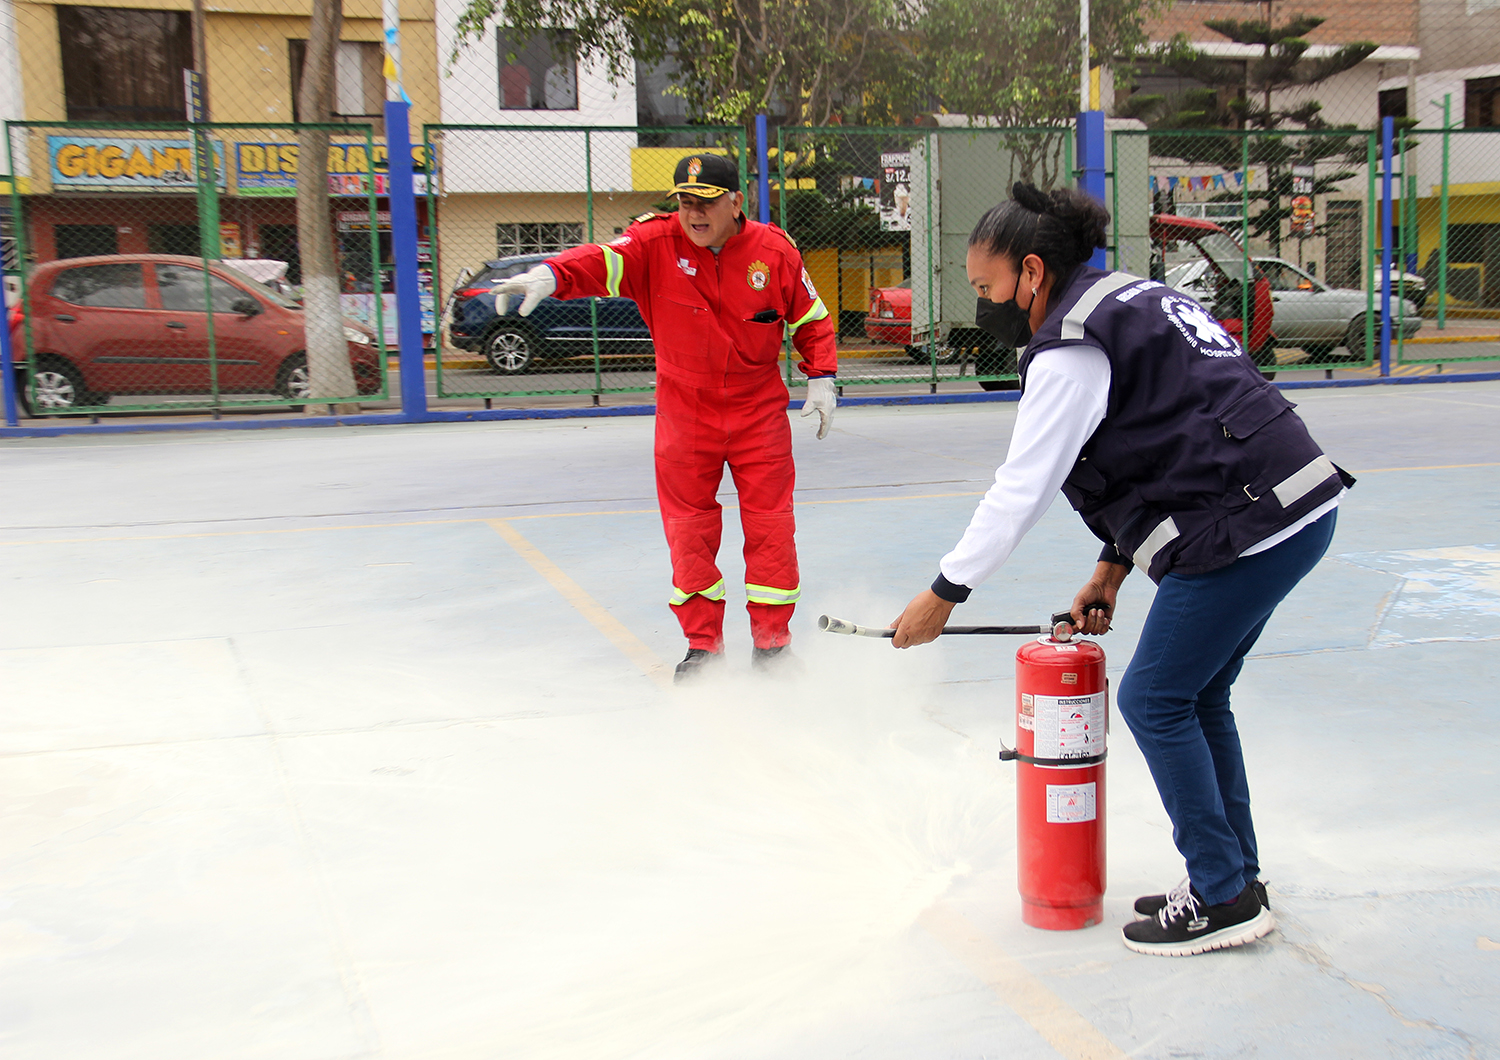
[
  {"x": 1072, "y": 326},
  {"x": 769, "y": 594},
  {"x": 1164, "y": 534},
  {"x": 614, "y": 271},
  {"x": 715, "y": 591},
  {"x": 817, "y": 312},
  {"x": 1300, "y": 483}
]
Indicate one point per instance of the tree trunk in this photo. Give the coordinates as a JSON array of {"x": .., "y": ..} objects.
[{"x": 330, "y": 376}]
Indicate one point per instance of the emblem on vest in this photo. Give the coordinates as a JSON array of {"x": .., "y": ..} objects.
[
  {"x": 759, "y": 275},
  {"x": 1203, "y": 332}
]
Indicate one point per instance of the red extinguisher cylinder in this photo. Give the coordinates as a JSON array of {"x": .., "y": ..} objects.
[{"x": 1062, "y": 720}]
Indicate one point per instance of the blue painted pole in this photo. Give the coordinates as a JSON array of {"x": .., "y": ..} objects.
[
  {"x": 1091, "y": 174},
  {"x": 1387, "y": 134},
  {"x": 763, "y": 169},
  {"x": 404, "y": 248},
  {"x": 7, "y": 369}
]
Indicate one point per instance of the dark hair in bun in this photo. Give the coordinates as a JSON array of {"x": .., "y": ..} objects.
[{"x": 1063, "y": 227}]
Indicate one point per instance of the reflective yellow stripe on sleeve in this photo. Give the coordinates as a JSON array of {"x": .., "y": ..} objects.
[
  {"x": 817, "y": 312},
  {"x": 716, "y": 591},
  {"x": 769, "y": 594},
  {"x": 614, "y": 271}
]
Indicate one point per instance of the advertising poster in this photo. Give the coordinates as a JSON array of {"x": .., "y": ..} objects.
[{"x": 895, "y": 191}]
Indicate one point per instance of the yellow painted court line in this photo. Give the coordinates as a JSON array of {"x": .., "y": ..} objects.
[
  {"x": 1429, "y": 467},
  {"x": 586, "y": 605},
  {"x": 1074, "y": 1037}
]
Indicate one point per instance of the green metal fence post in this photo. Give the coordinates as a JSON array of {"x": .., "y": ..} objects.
[
  {"x": 588, "y": 180},
  {"x": 1403, "y": 246},
  {"x": 1114, "y": 192},
  {"x": 933, "y": 237},
  {"x": 440, "y": 301},
  {"x": 18, "y": 215},
  {"x": 377, "y": 286},
  {"x": 1247, "y": 285},
  {"x": 1442, "y": 313},
  {"x": 206, "y": 178}
]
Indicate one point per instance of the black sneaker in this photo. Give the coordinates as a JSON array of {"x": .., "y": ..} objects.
[
  {"x": 776, "y": 662},
  {"x": 694, "y": 663},
  {"x": 1148, "y": 905},
  {"x": 1186, "y": 925}
]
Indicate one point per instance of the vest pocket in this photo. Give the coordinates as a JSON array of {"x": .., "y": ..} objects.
[
  {"x": 1250, "y": 412},
  {"x": 1083, "y": 484}
]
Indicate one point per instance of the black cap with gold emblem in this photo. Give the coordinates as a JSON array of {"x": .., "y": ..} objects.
[{"x": 706, "y": 176}]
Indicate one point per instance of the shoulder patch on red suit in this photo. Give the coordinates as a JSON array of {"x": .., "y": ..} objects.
[{"x": 783, "y": 234}]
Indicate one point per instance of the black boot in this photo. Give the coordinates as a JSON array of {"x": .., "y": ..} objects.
[
  {"x": 695, "y": 663},
  {"x": 775, "y": 662}
]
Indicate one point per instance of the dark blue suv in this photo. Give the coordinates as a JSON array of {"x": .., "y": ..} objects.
[{"x": 557, "y": 331}]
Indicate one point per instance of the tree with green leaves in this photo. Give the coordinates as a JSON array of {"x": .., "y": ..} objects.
[
  {"x": 805, "y": 62},
  {"x": 1255, "y": 95}
]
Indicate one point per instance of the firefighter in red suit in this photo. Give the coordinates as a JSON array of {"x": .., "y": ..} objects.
[{"x": 718, "y": 291}]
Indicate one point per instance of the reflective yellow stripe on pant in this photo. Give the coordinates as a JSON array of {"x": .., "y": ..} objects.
[
  {"x": 769, "y": 594},
  {"x": 715, "y": 591}
]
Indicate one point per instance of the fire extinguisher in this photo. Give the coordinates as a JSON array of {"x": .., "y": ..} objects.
[
  {"x": 1062, "y": 726},
  {"x": 1062, "y": 722}
]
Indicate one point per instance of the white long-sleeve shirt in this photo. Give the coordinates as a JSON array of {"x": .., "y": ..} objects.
[{"x": 1067, "y": 395}]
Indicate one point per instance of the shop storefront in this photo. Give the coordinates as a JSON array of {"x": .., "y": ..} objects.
[{"x": 136, "y": 194}]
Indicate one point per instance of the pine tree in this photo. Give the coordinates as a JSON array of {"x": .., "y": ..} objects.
[{"x": 1244, "y": 96}]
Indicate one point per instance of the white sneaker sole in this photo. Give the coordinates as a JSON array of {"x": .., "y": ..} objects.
[{"x": 1259, "y": 926}]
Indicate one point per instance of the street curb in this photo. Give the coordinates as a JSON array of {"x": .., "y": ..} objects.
[{"x": 481, "y": 415}]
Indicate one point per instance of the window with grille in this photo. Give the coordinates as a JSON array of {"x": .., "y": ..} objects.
[
  {"x": 119, "y": 64},
  {"x": 358, "y": 81},
  {"x": 1482, "y": 103},
  {"x": 526, "y": 237},
  {"x": 538, "y": 74}
]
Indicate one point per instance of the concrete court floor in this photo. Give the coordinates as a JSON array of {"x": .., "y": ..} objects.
[{"x": 353, "y": 743}]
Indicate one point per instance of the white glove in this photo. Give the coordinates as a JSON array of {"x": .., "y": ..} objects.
[
  {"x": 822, "y": 398},
  {"x": 536, "y": 283}
]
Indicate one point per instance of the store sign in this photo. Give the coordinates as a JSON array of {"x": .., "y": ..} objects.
[
  {"x": 359, "y": 221},
  {"x": 270, "y": 169},
  {"x": 125, "y": 164}
]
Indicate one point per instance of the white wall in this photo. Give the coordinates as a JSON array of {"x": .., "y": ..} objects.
[{"x": 469, "y": 94}]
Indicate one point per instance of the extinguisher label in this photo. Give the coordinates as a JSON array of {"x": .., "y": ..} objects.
[
  {"x": 1070, "y": 803},
  {"x": 1070, "y": 726}
]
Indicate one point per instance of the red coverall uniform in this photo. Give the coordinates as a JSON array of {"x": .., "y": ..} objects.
[{"x": 719, "y": 399}]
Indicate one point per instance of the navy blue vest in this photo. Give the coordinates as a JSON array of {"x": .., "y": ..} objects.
[{"x": 1198, "y": 457}]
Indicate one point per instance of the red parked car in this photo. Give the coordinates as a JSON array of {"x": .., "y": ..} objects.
[
  {"x": 890, "y": 314},
  {"x": 135, "y": 324}
]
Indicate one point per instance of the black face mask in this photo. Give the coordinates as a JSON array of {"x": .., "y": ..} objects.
[{"x": 1006, "y": 322}]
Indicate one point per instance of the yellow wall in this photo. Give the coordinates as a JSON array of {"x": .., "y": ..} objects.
[
  {"x": 1462, "y": 210},
  {"x": 859, "y": 269},
  {"x": 248, "y": 63}
]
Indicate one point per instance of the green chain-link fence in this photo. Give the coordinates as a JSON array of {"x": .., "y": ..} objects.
[
  {"x": 882, "y": 218},
  {"x": 1446, "y": 242},
  {"x": 508, "y": 197},
  {"x": 158, "y": 267},
  {"x": 1293, "y": 212}
]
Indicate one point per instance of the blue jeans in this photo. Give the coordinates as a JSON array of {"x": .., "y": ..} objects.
[{"x": 1175, "y": 698}]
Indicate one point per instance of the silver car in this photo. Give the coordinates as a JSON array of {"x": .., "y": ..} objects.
[{"x": 1309, "y": 313}]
